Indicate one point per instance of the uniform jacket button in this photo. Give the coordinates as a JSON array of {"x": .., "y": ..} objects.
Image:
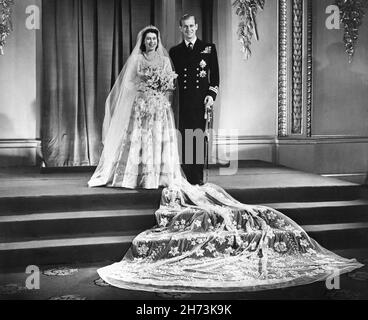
[{"x": 197, "y": 87}]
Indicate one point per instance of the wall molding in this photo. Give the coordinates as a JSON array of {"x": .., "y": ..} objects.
[
  {"x": 19, "y": 143},
  {"x": 241, "y": 140},
  {"x": 295, "y": 68},
  {"x": 328, "y": 139},
  {"x": 323, "y": 140},
  {"x": 315, "y": 155},
  {"x": 339, "y": 136},
  {"x": 19, "y": 152},
  {"x": 298, "y": 153},
  {"x": 283, "y": 68},
  {"x": 309, "y": 68}
]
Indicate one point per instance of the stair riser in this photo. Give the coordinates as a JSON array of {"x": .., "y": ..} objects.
[
  {"x": 332, "y": 240},
  {"x": 79, "y": 203},
  {"x": 152, "y": 199},
  {"x": 77, "y": 227},
  {"x": 341, "y": 239},
  {"x": 316, "y": 194},
  {"x": 328, "y": 215},
  {"x": 20, "y": 259},
  {"x": 364, "y": 191}
]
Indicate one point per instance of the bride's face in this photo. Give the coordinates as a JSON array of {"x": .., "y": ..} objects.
[{"x": 150, "y": 42}]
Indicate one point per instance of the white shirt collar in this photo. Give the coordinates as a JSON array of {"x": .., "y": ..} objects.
[{"x": 193, "y": 41}]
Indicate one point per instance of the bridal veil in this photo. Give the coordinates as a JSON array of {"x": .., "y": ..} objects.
[{"x": 118, "y": 108}]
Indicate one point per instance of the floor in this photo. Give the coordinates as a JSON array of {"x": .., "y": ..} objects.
[{"x": 83, "y": 283}]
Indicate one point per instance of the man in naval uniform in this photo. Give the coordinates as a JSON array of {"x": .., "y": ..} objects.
[{"x": 196, "y": 64}]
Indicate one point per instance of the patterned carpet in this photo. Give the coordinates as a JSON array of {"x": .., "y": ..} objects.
[{"x": 83, "y": 283}]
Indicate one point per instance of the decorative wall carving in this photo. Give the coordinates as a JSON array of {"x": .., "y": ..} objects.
[
  {"x": 309, "y": 84},
  {"x": 247, "y": 11},
  {"x": 352, "y": 13},
  {"x": 295, "y": 77},
  {"x": 297, "y": 57},
  {"x": 283, "y": 70},
  {"x": 5, "y": 22}
]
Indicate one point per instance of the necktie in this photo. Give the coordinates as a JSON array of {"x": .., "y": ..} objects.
[{"x": 190, "y": 46}]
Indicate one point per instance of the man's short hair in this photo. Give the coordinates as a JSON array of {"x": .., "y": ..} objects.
[{"x": 186, "y": 17}]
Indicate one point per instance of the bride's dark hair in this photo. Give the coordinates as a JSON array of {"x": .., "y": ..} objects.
[{"x": 151, "y": 30}]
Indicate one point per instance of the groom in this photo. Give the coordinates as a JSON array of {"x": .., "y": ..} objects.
[{"x": 196, "y": 64}]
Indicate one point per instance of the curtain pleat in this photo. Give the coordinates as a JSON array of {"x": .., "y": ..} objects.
[
  {"x": 207, "y": 20},
  {"x": 86, "y": 43}
]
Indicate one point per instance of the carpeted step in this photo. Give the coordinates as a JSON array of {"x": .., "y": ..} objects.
[
  {"x": 324, "y": 212},
  {"x": 59, "y": 224},
  {"x": 296, "y": 194},
  {"x": 80, "y": 202},
  {"x": 65, "y": 250},
  {"x": 101, "y": 247},
  {"x": 79, "y": 222},
  {"x": 123, "y": 199},
  {"x": 339, "y": 236},
  {"x": 56, "y": 219}
]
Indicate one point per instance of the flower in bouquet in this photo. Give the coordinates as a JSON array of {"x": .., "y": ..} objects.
[{"x": 157, "y": 79}]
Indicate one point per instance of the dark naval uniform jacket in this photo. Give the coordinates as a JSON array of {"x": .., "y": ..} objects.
[{"x": 198, "y": 77}]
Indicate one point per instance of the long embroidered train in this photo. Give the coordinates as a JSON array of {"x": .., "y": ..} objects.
[{"x": 206, "y": 241}]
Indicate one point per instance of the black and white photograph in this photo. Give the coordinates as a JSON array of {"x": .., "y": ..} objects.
[{"x": 183, "y": 150}]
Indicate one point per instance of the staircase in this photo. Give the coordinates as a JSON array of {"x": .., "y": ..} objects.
[{"x": 84, "y": 226}]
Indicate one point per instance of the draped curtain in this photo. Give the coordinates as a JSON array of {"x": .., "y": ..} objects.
[{"x": 85, "y": 45}]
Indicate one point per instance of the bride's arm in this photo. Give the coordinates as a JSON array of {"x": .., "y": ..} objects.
[
  {"x": 168, "y": 67},
  {"x": 139, "y": 74}
]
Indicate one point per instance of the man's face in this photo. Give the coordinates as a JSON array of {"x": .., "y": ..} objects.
[{"x": 189, "y": 29}]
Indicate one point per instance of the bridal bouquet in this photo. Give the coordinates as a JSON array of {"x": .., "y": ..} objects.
[
  {"x": 155, "y": 83},
  {"x": 157, "y": 79}
]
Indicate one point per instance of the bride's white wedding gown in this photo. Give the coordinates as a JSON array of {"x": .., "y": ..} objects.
[
  {"x": 147, "y": 155},
  {"x": 204, "y": 241}
]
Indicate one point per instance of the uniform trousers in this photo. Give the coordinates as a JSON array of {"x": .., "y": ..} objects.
[{"x": 192, "y": 143}]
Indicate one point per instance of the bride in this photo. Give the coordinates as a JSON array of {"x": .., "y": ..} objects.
[
  {"x": 140, "y": 145},
  {"x": 205, "y": 240}
]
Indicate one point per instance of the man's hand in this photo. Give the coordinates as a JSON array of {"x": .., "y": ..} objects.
[{"x": 208, "y": 102}]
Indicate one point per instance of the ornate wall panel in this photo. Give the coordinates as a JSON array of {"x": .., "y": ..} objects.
[
  {"x": 309, "y": 80},
  {"x": 283, "y": 70},
  {"x": 295, "y": 68},
  {"x": 297, "y": 63}
]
